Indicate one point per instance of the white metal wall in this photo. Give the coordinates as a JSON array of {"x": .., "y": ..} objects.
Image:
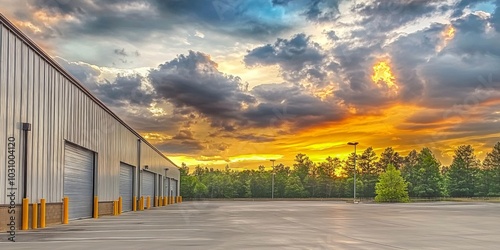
[
  {"x": 157, "y": 164},
  {"x": 34, "y": 89}
]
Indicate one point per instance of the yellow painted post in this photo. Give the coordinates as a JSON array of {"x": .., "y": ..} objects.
[
  {"x": 115, "y": 208},
  {"x": 65, "y": 210},
  {"x": 96, "y": 207},
  {"x": 134, "y": 204},
  {"x": 42, "y": 213},
  {"x": 171, "y": 200},
  {"x": 25, "y": 214},
  {"x": 120, "y": 205},
  {"x": 34, "y": 215},
  {"x": 141, "y": 203},
  {"x": 164, "y": 200},
  {"x": 148, "y": 202}
]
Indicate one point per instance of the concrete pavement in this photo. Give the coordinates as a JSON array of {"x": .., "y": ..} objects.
[{"x": 279, "y": 225}]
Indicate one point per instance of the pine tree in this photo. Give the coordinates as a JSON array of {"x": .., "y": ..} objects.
[
  {"x": 462, "y": 171},
  {"x": 491, "y": 166},
  {"x": 427, "y": 181},
  {"x": 368, "y": 172},
  {"x": 391, "y": 187},
  {"x": 389, "y": 156}
]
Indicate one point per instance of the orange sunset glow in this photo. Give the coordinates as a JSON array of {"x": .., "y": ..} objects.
[{"x": 382, "y": 73}]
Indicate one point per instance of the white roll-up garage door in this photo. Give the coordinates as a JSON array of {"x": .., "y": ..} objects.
[
  {"x": 79, "y": 181},
  {"x": 148, "y": 186},
  {"x": 174, "y": 187},
  {"x": 166, "y": 190},
  {"x": 126, "y": 186}
]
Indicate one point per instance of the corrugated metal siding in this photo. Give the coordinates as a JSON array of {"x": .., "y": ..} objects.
[{"x": 34, "y": 89}]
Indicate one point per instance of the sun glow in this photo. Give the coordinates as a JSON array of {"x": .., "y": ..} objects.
[
  {"x": 449, "y": 33},
  {"x": 382, "y": 72},
  {"x": 446, "y": 35}
]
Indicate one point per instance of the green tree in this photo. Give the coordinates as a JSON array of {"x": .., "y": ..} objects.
[
  {"x": 409, "y": 169},
  {"x": 389, "y": 156},
  {"x": 391, "y": 187},
  {"x": 462, "y": 172},
  {"x": 367, "y": 172},
  {"x": 294, "y": 188},
  {"x": 426, "y": 180},
  {"x": 199, "y": 189},
  {"x": 491, "y": 171}
]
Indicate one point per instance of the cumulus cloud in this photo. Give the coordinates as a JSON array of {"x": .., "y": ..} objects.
[
  {"x": 193, "y": 81},
  {"x": 290, "y": 55},
  {"x": 290, "y": 104},
  {"x": 299, "y": 58},
  {"x": 386, "y": 15},
  {"x": 181, "y": 147}
]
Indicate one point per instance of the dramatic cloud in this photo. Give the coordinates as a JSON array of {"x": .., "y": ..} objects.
[
  {"x": 299, "y": 58},
  {"x": 183, "y": 147},
  {"x": 385, "y": 15},
  {"x": 290, "y": 55},
  {"x": 193, "y": 81},
  {"x": 214, "y": 76},
  {"x": 285, "y": 103}
]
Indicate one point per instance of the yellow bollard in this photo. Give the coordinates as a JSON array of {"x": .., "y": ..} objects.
[
  {"x": 25, "y": 214},
  {"x": 34, "y": 216},
  {"x": 148, "y": 202},
  {"x": 96, "y": 207},
  {"x": 120, "y": 205},
  {"x": 141, "y": 203},
  {"x": 42, "y": 213},
  {"x": 134, "y": 204},
  {"x": 172, "y": 200},
  {"x": 65, "y": 210},
  {"x": 115, "y": 208},
  {"x": 164, "y": 200}
]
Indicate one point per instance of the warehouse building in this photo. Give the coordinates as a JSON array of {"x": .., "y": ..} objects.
[{"x": 63, "y": 151}]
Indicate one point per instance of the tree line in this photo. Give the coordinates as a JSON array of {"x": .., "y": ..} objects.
[{"x": 425, "y": 176}]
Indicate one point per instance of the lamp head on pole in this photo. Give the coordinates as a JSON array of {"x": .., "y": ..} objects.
[{"x": 352, "y": 143}]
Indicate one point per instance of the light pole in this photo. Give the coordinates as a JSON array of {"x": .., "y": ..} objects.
[
  {"x": 354, "y": 144},
  {"x": 272, "y": 186}
]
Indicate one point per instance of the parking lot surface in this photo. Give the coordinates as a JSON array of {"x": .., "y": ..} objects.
[{"x": 278, "y": 225}]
